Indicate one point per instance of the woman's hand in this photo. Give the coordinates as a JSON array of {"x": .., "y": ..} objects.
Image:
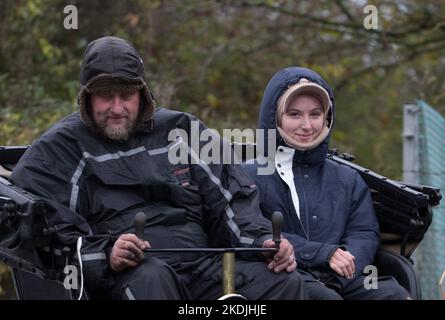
[
  {"x": 284, "y": 258},
  {"x": 342, "y": 262}
]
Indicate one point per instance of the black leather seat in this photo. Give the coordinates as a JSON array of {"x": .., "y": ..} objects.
[
  {"x": 28, "y": 286},
  {"x": 402, "y": 269}
]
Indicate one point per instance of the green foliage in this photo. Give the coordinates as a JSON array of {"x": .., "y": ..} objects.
[
  {"x": 6, "y": 291},
  {"x": 214, "y": 58}
]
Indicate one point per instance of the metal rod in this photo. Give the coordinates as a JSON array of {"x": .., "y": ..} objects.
[
  {"x": 228, "y": 273},
  {"x": 211, "y": 250}
]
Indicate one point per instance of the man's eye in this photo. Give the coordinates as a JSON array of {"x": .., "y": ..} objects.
[{"x": 127, "y": 96}]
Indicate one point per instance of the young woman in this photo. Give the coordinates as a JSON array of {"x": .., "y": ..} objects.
[{"x": 327, "y": 208}]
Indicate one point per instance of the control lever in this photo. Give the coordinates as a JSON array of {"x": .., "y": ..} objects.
[
  {"x": 139, "y": 224},
  {"x": 277, "y": 226}
]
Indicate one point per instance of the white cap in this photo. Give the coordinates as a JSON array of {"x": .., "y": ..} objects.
[{"x": 304, "y": 86}]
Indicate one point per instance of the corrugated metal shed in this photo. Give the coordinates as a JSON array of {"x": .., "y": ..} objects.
[{"x": 430, "y": 170}]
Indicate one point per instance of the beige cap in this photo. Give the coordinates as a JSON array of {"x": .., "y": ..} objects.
[{"x": 304, "y": 86}]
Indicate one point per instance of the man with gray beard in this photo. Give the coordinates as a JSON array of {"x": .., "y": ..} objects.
[{"x": 99, "y": 167}]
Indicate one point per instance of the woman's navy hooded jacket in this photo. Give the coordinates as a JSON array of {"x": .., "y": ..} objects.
[{"x": 334, "y": 204}]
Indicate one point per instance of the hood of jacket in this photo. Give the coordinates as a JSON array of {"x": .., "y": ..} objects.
[
  {"x": 116, "y": 62},
  {"x": 276, "y": 87}
]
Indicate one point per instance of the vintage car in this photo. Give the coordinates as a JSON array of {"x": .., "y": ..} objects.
[{"x": 403, "y": 210}]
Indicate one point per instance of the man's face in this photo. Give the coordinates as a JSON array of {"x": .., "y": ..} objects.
[{"x": 115, "y": 114}]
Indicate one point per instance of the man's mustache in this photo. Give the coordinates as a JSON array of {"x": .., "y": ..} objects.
[{"x": 111, "y": 114}]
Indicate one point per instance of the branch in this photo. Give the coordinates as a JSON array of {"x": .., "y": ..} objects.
[
  {"x": 426, "y": 23},
  {"x": 413, "y": 55},
  {"x": 345, "y": 10}
]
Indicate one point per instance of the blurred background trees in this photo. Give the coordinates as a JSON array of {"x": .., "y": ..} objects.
[{"x": 214, "y": 59}]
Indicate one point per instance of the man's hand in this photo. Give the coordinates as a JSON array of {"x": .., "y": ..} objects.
[
  {"x": 127, "y": 252},
  {"x": 283, "y": 259},
  {"x": 342, "y": 262}
]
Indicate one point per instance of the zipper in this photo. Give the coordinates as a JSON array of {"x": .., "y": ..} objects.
[{"x": 305, "y": 230}]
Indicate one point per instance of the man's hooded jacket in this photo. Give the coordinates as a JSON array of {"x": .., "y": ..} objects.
[
  {"x": 325, "y": 205},
  {"x": 93, "y": 186}
]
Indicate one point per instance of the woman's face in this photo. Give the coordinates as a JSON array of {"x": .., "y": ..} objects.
[{"x": 303, "y": 119}]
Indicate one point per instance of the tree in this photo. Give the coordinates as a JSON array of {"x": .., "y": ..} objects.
[{"x": 213, "y": 58}]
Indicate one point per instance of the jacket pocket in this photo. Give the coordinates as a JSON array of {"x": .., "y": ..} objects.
[{"x": 240, "y": 184}]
